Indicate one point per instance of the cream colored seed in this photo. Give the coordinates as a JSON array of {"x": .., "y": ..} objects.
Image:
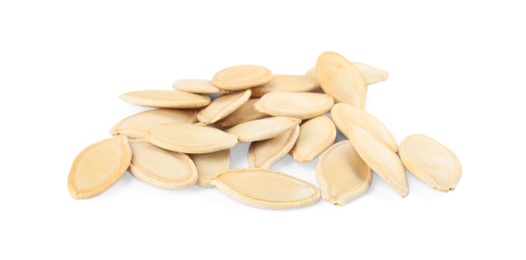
[
  {"x": 287, "y": 83},
  {"x": 198, "y": 86},
  {"x": 190, "y": 138},
  {"x": 165, "y": 99},
  {"x": 98, "y": 167},
  {"x": 209, "y": 165},
  {"x": 135, "y": 126},
  {"x": 263, "y": 154},
  {"x": 245, "y": 113},
  {"x": 161, "y": 168},
  {"x": 431, "y": 162},
  {"x": 294, "y": 104},
  {"x": 263, "y": 129},
  {"x": 316, "y": 135},
  {"x": 266, "y": 189},
  {"x": 242, "y": 77},
  {"x": 369, "y": 73},
  {"x": 342, "y": 175},
  {"x": 223, "y": 106}
]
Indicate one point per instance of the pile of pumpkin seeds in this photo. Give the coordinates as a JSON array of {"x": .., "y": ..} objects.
[{"x": 186, "y": 140}]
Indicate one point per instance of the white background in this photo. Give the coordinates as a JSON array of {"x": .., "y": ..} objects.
[{"x": 456, "y": 69}]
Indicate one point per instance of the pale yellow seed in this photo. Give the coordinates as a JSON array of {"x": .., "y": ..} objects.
[
  {"x": 263, "y": 129},
  {"x": 198, "y": 86},
  {"x": 165, "y": 99},
  {"x": 209, "y": 165},
  {"x": 316, "y": 135},
  {"x": 294, "y": 104},
  {"x": 242, "y": 77},
  {"x": 263, "y": 154},
  {"x": 223, "y": 106},
  {"x": 287, "y": 83},
  {"x": 369, "y": 73},
  {"x": 243, "y": 114}
]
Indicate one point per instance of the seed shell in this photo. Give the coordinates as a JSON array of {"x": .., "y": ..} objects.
[
  {"x": 197, "y": 86},
  {"x": 223, "y": 106},
  {"x": 245, "y": 113},
  {"x": 316, "y": 135},
  {"x": 263, "y": 129},
  {"x": 209, "y": 165},
  {"x": 263, "y": 154},
  {"x": 294, "y": 104},
  {"x": 287, "y": 83},
  {"x": 242, "y": 77},
  {"x": 165, "y": 99}
]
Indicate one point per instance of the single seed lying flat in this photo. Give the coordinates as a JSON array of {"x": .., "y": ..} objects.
[
  {"x": 198, "y": 86},
  {"x": 190, "y": 138},
  {"x": 294, "y": 104},
  {"x": 345, "y": 116},
  {"x": 342, "y": 175},
  {"x": 266, "y": 189},
  {"x": 135, "y": 126},
  {"x": 98, "y": 167},
  {"x": 431, "y": 162},
  {"x": 287, "y": 83},
  {"x": 369, "y": 73},
  {"x": 316, "y": 135},
  {"x": 209, "y": 165},
  {"x": 245, "y": 113},
  {"x": 242, "y": 77},
  {"x": 340, "y": 79},
  {"x": 263, "y": 154},
  {"x": 161, "y": 168},
  {"x": 165, "y": 99},
  {"x": 223, "y": 106},
  {"x": 263, "y": 129},
  {"x": 380, "y": 158}
]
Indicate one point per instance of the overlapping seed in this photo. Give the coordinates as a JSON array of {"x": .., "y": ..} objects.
[{"x": 168, "y": 149}]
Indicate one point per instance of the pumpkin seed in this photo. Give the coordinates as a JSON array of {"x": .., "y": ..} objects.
[
  {"x": 98, "y": 167},
  {"x": 287, "y": 83},
  {"x": 161, "y": 168},
  {"x": 209, "y": 165},
  {"x": 190, "y": 138},
  {"x": 266, "y": 189},
  {"x": 345, "y": 116},
  {"x": 198, "y": 86},
  {"x": 294, "y": 104},
  {"x": 342, "y": 175},
  {"x": 263, "y": 129},
  {"x": 316, "y": 135},
  {"x": 135, "y": 126},
  {"x": 380, "y": 158},
  {"x": 431, "y": 162},
  {"x": 245, "y": 113},
  {"x": 263, "y": 154},
  {"x": 223, "y": 106},
  {"x": 242, "y": 77},
  {"x": 369, "y": 73},
  {"x": 340, "y": 79},
  {"x": 165, "y": 99}
]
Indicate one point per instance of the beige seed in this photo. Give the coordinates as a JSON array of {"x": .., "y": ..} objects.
[
  {"x": 223, "y": 106},
  {"x": 293, "y": 104},
  {"x": 342, "y": 175},
  {"x": 369, "y": 73},
  {"x": 345, "y": 116},
  {"x": 287, "y": 83},
  {"x": 245, "y": 113},
  {"x": 316, "y": 135},
  {"x": 98, "y": 167},
  {"x": 135, "y": 126},
  {"x": 161, "y": 168},
  {"x": 242, "y": 77},
  {"x": 431, "y": 162},
  {"x": 190, "y": 138},
  {"x": 209, "y": 165},
  {"x": 340, "y": 79},
  {"x": 266, "y": 189},
  {"x": 263, "y": 129},
  {"x": 165, "y": 99},
  {"x": 198, "y": 86},
  {"x": 380, "y": 158},
  {"x": 263, "y": 154}
]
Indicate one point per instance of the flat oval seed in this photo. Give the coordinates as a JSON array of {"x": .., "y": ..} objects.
[
  {"x": 431, "y": 162},
  {"x": 345, "y": 116},
  {"x": 263, "y": 154},
  {"x": 209, "y": 165},
  {"x": 135, "y": 126},
  {"x": 223, "y": 106},
  {"x": 266, "y": 189},
  {"x": 98, "y": 167},
  {"x": 316, "y": 135},
  {"x": 161, "y": 168},
  {"x": 380, "y": 158},
  {"x": 287, "y": 83},
  {"x": 189, "y": 138},
  {"x": 369, "y": 73},
  {"x": 292, "y": 104},
  {"x": 198, "y": 86},
  {"x": 245, "y": 113},
  {"x": 340, "y": 79},
  {"x": 263, "y": 129},
  {"x": 242, "y": 77},
  {"x": 165, "y": 99},
  {"x": 342, "y": 175}
]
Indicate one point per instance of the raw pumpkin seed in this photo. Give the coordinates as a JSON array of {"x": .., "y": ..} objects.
[
  {"x": 369, "y": 73},
  {"x": 209, "y": 165},
  {"x": 287, "y": 83},
  {"x": 165, "y": 99},
  {"x": 242, "y": 77},
  {"x": 263, "y": 154},
  {"x": 263, "y": 129},
  {"x": 245, "y": 113},
  {"x": 294, "y": 104},
  {"x": 223, "y": 106},
  {"x": 316, "y": 135},
  {"x": 198, "y": 86}
]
